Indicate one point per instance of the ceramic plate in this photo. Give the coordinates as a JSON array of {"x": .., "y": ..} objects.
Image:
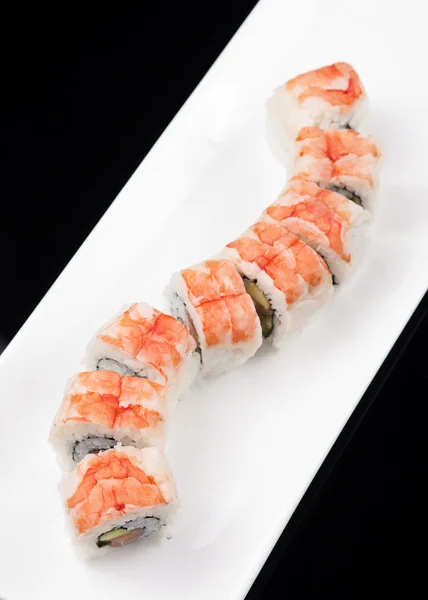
[{"x": 244, "y": 447}]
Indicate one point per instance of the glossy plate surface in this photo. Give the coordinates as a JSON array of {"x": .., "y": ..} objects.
[{"x": 244, "y": 447}]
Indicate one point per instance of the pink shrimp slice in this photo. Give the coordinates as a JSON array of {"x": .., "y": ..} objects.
[
  {"x": 313, "y": 142},
  {"x": 309, "y": 263},
  {"x": 274, "y": 262},
  {"x": 339, "y": 204},
  {"x": 284, "y": 257},
  {"x": 335, "y": 153},
  {"x": 251, "y": 250},
  {"x": 284, "y": 275},
  {"x": 338, "y": 84},
  {"x": 220, "y": 299},
  {"x": 341, "y": 142},
  {"x": 113, "y": 400},
  {"x": 242, "y": 316},
  {"x": 110, "y": 485},
  {"x": 334, "y": 143},
  {"x": 352, "y": 166},
  {"x": 156, "y": 339},
  {"x": 217, "y": 280},
  {"x": 313, "y": 221}
]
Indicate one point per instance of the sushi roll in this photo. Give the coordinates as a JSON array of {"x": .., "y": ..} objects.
[
  {"x": 316, "y": 224},
  {"x": 331, "y": 96},
  {"x": 118, "y": 497},
  {"x": 211, "y": 299},
  {"x": 287, "y": 280},
  {"x": 145, "y": 342},
  {"x": 343, "y": 161},
  {"x": 102, "y": 408}
]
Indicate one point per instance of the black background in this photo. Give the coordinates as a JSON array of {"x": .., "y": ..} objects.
[{"x": 90, "y": 94}]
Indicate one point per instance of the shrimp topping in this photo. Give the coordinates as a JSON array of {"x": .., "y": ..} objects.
[
  {"x": 110, "y": 485},
  {"x": 330, "y": 156},
  {"x": 226, "y": 311},
  {"x": 311, "y": 220},
  {"x": 145, "y": 334},
  {"x": 112, "y": 400},
  {"x": 337, "y": 84}
]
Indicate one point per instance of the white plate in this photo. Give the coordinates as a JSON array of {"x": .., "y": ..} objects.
[{"x": 245, "y": 446}]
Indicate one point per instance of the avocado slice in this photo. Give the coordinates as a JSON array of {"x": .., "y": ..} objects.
[
  {"x": 108, "y": 536},
  {"x": 356, "y": 199},
  {"x": 347, "y": 193},
  {"x": 267, "y": 325},
  {"x": 191, "y": 326},
  {"x": 258, "y": 296}
]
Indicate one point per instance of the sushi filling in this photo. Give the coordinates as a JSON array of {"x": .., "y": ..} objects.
[
  {"x": 262, "y": 305},
  {"x": 347, "y": 193},
  {"x": 129, "y": 532},
  {"x": 191, "y": 326},
  {"x": 182, "y": 314},
  {"x": 91, "y": 445},
  {"x": 108, "y": 364}
]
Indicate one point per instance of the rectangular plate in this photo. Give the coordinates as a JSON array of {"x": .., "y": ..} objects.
[{"x": 244, "y": 447}]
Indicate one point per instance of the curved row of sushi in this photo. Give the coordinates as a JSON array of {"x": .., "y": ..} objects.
[{"x": 112, "y": 423}]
